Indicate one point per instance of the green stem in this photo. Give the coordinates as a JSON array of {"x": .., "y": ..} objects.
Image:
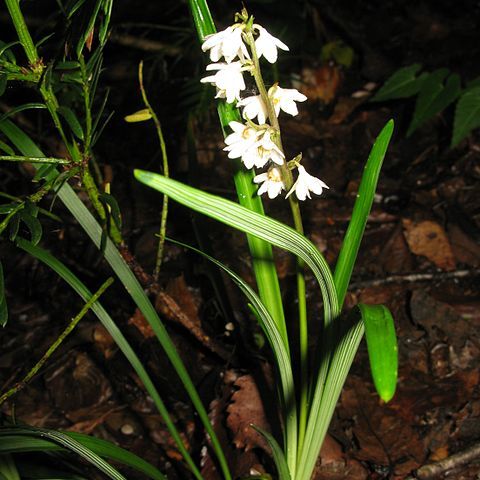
[
  {"x": 166, "y": 172},
  {"x": 297, "y": 220},
  {"x": 73, "y": 323},
  {"x": 21, "y": 158},
  {"x": 93, "y": 194},
  {"x": 23, "y": 33},
  {"x": 86, "y": 98}
]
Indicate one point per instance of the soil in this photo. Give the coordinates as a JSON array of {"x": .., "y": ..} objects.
[{"x": 420, "y": 255}]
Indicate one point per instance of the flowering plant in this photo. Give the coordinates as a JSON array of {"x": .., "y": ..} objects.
[{"x": 255, "y": 142}]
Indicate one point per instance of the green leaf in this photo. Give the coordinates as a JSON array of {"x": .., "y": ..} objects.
[
  {"x": 3, "y": 83},
  {"x": 473, "y": 83},
  {"x": 277, "y": 454},
  {"x": 260, "y": 226},
  {"x": 281, "y": 354},
  {"x": 33, "y": 225},
  {"x": 3, "y": 300},
  {"x": 72, "y": 121},
  {"x": 6, "y": 148},
  {"x": 382, "y": 348},
  {"x": 467, "y": 115},
  {"x": 402, "y": 84},
  {"x": 138, "y": 295},
  {"x": 116, "y": 334},
  {"x": 18, "y": 442},
  {"x": 361, "y": 210},
  {"x": 434, "y": 97},
  {"x": 70, "y": 444},
  {"x": 21, "y": 108},
  {"x": 110, "y": 203}
]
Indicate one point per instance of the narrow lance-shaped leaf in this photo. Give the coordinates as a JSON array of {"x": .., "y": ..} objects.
[
  {"x": 361, "y": 210},
  {"x": 382, "y": 348}
]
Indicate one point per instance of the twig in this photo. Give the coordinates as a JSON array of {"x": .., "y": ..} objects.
[
  {"x": 433, "y": 470},
  {"x": 161, "y": 139},
  {"x": 414, "y": 277},
  {"x": 20, "y": 385}
]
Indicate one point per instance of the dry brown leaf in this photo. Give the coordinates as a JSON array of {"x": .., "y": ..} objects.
[
  {"x": 429, "y": 239},
  {"x": 139, "y": 321},
  {"x": 320, "y": 83},
  {"x": 246, "y": 409}
]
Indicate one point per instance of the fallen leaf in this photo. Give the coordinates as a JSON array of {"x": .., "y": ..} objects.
[
  {"x": 429, "y": 239},
  {"x": 246, "y": 409}
]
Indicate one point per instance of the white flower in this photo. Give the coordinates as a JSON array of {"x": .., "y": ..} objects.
[
  {"x": 254, "y": 107},
  {"x": 241, "y": 140},
  {"x": 254, "y": 147},
  {"x": 285, "y": 98},
  {"x": 262, "y": 151},
  {"x": 267, "y": 45},
  {"x": 271, "y": 182},
  {"x": 306, "y": 182},
  {"x": 228, "y": 80},
  {"x": 228, "y": 44}
]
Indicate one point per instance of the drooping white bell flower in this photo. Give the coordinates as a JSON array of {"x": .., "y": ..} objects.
[
  {"x": 285, "y": 98},
  {"x": 266, "y": 44},
  {"x": 241, "y": 140},
  {"x": 254, "y": 147},
  {"x": 271, "y": 182},
  {"x": 306, "y": 183},
  {"x": 227, "y": 43},
  {"x": 228, "y": 80},
  {"x": 253, "y": 107}
]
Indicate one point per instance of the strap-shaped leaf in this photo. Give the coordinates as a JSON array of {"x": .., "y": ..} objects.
[
  {"x": 277, "y": 454},
  {"x": 382, "y": 348},
  {"x": 241, "y": 218},
  {"x": 69, "y": 443},
  {"x": 434, "y": 97},
  {"x": 467, "y": 115},
  {"x": 281, "y": 354},
  {"x": 402, "y": 84},
  {"x": 29, "y": 439},
  {"x": 72, "y": 121},
  {"x": 361, "y": 210}
]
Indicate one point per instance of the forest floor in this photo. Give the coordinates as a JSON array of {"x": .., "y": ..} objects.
[{"x": 420, "y": 257}]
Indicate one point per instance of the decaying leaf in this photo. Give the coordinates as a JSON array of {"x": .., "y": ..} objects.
[
  {"x": 245, "y": 409},
  {"x": 429, "y": 239}
]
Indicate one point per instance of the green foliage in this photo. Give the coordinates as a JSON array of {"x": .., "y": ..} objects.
[
  {"x": 382, "y": 348},
  {"x": 337, "y": 51},
  {"x": 29, "y": 439},
  {"x": 467, "y": 115},
  {"x": 435, "y": 91},
  {"x": 3, "y": 300}
]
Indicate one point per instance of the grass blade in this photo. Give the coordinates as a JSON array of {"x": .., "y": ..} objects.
[
  {"x": 69, "y": 443},
  {"x": 361, "y": 210},
  {"x": 21, "y": 441}
]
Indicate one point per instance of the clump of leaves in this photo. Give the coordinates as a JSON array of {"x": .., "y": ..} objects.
[{"x": 435, "y": 91}]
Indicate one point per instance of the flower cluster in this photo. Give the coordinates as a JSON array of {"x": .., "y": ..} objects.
[{"x": 257, "y": 145}]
